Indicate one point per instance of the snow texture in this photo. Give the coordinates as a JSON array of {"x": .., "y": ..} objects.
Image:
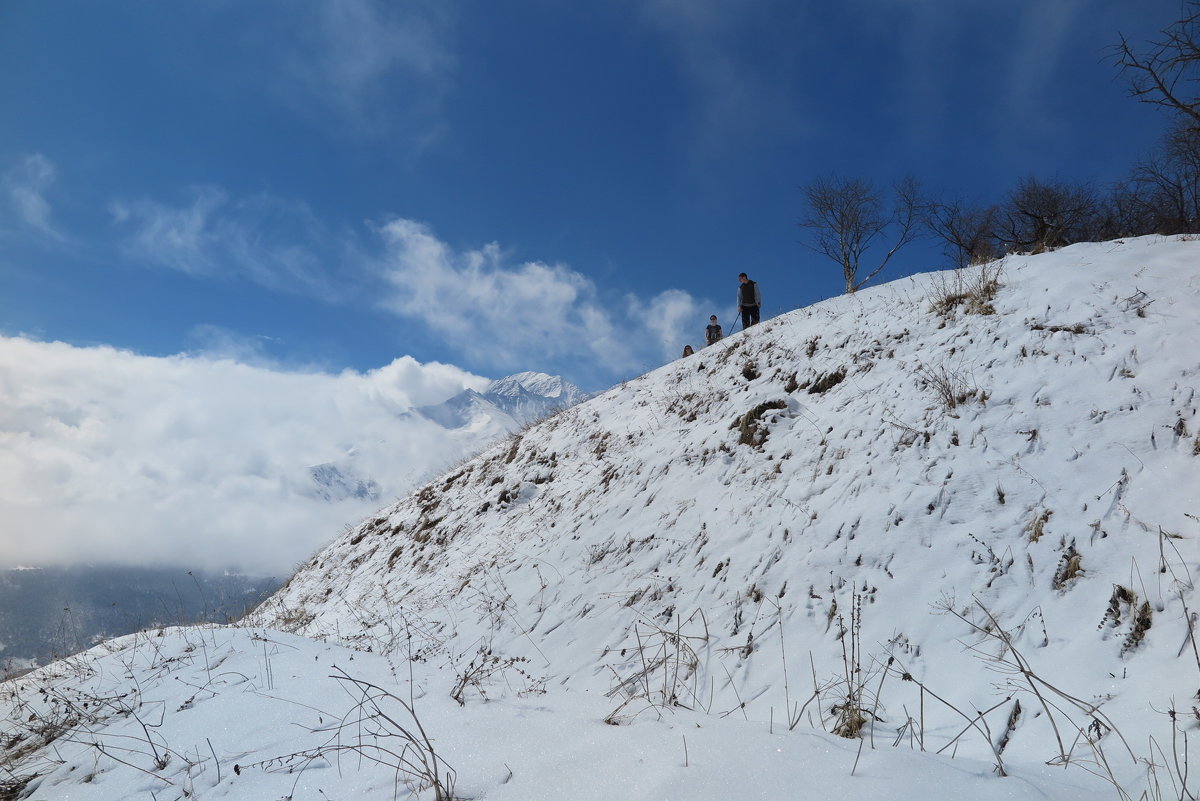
[{"x": 953, "y": 518}]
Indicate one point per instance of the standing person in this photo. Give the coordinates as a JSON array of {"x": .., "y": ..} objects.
[
  {"x": 713, "y": 333},
  {"x": 749, "y": 300}
]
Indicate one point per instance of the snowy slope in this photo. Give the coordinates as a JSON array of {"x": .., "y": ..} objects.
[
  {"x": 640, "y": 512},
  {"x": 977, "y": 530},
  {"x": 254, "y": 715}
]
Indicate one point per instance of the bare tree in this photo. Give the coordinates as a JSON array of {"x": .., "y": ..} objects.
[
  {"x": 968, "y": 232},
  {"x": 1037, "y": 216},
  {"x": 1166, "y": 185},
  {"x": 846, "y": 216},
  {"x": 1167, "y": 74}
]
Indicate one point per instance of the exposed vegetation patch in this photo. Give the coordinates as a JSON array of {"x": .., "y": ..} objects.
[
  {"x": 689, "y": 406},
  {"x": 827, "y": 381},
  {"x": 1070, "y": 566},
  {"x": 752, "y": 430},
  {"x": 1124, "y": 607},
  {"x": 973, "y": 290},
  {"x": 1037, "y": 526},
  {"x": 1141, "y": 624},
  {"x": 1077, "y": 328},
  {"x": 952, "y": 388}
]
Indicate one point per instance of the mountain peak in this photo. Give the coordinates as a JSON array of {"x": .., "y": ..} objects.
[
  {"x": 507, "y": 403},
  {"x": 546, "y": 386}
]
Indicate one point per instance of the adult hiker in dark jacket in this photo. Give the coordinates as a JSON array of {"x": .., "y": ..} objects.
[
  {"x": 712, "y": 333},
  {"x": 749, "y": 301}
]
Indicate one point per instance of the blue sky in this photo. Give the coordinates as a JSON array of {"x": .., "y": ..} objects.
[{"x": 536, "y": 184}]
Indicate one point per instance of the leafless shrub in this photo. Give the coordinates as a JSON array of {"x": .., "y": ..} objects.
[
  {"x": 967, "y": 232},
  {"x": 1042, "y": 215}
]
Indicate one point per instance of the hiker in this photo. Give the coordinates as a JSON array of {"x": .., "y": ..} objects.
[
  {"x": 713, "y": 333},
  {"x": 687, "y": 351},
  {"x": 749, "y": 300}
]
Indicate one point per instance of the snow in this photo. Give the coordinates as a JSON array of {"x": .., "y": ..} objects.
[
  {"x": 505, "y": 405},
  {"x": 672, "y": 589}
]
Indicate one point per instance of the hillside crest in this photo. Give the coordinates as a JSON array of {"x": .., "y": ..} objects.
[{"x": 910, "y": 486}]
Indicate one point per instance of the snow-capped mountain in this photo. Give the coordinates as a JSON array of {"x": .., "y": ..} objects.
[
  {"x": 933, "y": 540},
  {"x": 506, "y": 404},
  {"x": 472, "y": 420},
  {"x": 335, "y": 482}
]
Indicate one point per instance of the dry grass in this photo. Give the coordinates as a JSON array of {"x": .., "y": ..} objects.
[
  {"x": 952, "y": 388},
  {"x": 752, "y": 430},
  {"x": 972, "y": 288}
]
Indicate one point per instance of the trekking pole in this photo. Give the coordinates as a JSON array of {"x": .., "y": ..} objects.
[{"x": 736, "y": 322}]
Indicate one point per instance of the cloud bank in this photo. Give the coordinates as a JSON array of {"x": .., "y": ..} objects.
[
  {"x": 110, "y": 456},
  {"x": 500, "y": 313}
]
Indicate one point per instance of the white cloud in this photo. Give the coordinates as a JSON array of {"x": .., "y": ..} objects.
[
  {"x": 669, "y": 316},
  {"x": 25, "y": 186},
  {"x": 512, "y": 315},
  {"x": 528, "y": 315},
  {"x": 107, "y": 455},
  {"x": 274, "y": 242}
]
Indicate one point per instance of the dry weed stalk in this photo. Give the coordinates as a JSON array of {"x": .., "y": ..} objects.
[
  {"x": 972, "y": 288},
  {"x": 665, "y": 668},
  {"x": 383, "y": 728}
]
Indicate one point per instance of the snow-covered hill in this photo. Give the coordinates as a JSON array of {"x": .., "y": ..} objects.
[{"x": 953, "y": 514}]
